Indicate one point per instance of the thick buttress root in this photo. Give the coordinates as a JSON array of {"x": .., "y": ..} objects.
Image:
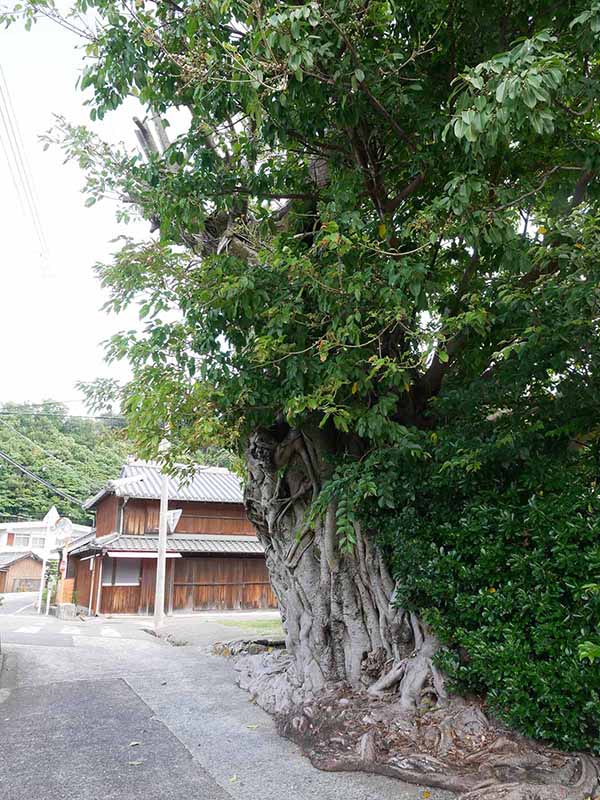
[{"x": 445, "y": 744}]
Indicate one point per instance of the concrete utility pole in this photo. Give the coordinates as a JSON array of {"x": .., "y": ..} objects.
[
  {"x": 50, "y": 521},
  {"x": 48, "y": 594},
  {"x": 161, "y": 561}
]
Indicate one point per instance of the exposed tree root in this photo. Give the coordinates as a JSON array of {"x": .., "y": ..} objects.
[
  {"x": 446, "y": 744},
  {"x": 357, "y": 686}
]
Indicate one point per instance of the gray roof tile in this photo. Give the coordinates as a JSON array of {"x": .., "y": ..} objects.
[
  {"x": 8, "y": 558},
  {"x": 188, "y": 543},
  {"x": 207, "y": 484}
]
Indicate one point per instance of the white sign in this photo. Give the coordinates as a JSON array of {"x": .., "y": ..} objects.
[{"x": 172, "y": 519}]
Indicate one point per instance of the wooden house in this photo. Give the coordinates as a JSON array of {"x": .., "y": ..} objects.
[
  {"x": 214, "y": 559},
  {"x": 20, "y": 572}
]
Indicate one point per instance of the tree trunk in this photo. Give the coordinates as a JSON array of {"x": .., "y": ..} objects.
[
  {"x": 340, "y": 621},
  {"x": 357, "y": 686}
]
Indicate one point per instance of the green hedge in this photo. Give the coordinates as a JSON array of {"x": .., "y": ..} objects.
[{"x": 494, "y": 545}]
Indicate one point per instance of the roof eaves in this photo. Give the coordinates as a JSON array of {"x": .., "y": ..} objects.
[
  {"x": 19, "y": 557},
  {"x": 92, "y": 501}
]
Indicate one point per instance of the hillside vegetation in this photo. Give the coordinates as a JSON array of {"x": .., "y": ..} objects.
[{"x": 74, "y": 454}]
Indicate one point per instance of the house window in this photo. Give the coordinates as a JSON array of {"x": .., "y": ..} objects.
[
  {"x": 121, "y": 571},
  {"x": 70, "y": 572},
  {"x": 21, "y": 540},
  {"x": 38, "y": 541}
]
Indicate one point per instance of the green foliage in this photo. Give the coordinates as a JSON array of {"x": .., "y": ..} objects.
[
  {"x": 492, "y": 534},
  {"x": 438, "y": 138},
  {"x": 76, "y": 455},
  {"x": 590, "y": 650}
]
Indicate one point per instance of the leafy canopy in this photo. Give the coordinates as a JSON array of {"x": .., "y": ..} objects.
[{"x": 354, "y": 214}]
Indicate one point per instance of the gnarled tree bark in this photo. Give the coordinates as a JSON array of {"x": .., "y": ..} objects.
[{"x": 357, "y": 686}]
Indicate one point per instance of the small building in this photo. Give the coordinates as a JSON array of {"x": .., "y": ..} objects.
[
  {"x": 20, "y": 572},
  {"x": 34, "y": 536},
  {"x": 214, "y": 558}
]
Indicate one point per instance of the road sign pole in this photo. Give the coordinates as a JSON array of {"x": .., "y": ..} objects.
[{"x": 161, "y": 561}]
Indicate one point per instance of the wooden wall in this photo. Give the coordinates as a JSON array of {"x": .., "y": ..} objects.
[
  {"x": 141, "y": 516},
  {"x": 217, "y": 582},
  {"x": 65, "y": 590},
  {"x": 194, "y": 584},
  {"x": 2, "y": 581},
  {"x": 106, "y": 515},
  {"x": 24, "y": 569},
  {"x": 83, "y": 582}
]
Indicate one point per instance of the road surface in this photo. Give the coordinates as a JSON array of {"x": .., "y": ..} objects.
[
  {"x": 101, "y": 710},
  {"x": 16, "y": 602}
]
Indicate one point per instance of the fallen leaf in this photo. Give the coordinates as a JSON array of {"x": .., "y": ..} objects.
[
  {"x": 426, "y": 795},
  {"x": 135, "y": 763},
  {"x": 252, "y": 727},
  {"x": 233, "y": 779},
  {"x": 134, "y": 744}
]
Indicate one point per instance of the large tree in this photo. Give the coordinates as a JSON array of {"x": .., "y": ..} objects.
[{"x": 380, "y": 221}]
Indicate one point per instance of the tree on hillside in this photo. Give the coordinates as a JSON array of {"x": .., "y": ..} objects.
[
  {"x": 377, "y": 273},
  {"x": 77, "y": 456}
]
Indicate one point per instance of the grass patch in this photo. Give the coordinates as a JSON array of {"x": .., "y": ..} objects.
[{"x": 264, "y": 627}]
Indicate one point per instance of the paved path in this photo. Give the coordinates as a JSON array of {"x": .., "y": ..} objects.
[
  {"x": 70, "y": 711},
  {"x": 16, "y": 602}
]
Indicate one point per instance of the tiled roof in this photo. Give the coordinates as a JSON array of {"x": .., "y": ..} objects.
[
  {"x": 77, "y": 542},
  {"x": 6, "y": 559},
  {"x": 207, "y": 484},
  {"x": 187, "y": 543}
]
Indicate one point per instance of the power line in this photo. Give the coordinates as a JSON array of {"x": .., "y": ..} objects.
[
  {"x": 37, "y": 478},
  {"x": 39, "y": 446},
  {"x": 11, "y": 170},
  {"x": 67, "y": 417},
  {"x": 15, "y": 143},
  {"x": 52, "y": 403},
  {"x": 28, "y": 182}
]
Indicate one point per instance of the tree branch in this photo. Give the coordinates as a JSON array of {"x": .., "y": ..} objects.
[{"x": 411, "y": 187}]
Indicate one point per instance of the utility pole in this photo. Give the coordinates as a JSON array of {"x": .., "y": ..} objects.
[
  {"x": 50, "y": 521},
  {"x": 48, "y": 594},
  {"x": 161, "y": 561}
]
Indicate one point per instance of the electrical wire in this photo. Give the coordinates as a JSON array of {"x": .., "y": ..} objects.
[
  {"x": 37, "y": 478},
  {"x": 15, "y": 143},
  {"x": 113, "y": 417},
  {"x": 39, "y": 447},
  {"x": 17, "y": 137}
]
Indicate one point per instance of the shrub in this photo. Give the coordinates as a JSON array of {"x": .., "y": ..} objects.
[{"x": 494, "y": 540}]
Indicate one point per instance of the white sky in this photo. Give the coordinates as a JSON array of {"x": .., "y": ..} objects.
[{"x": 51, "y": 324}]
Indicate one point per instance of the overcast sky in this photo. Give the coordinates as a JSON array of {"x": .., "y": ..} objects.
[{"x": 51, "y": 323}]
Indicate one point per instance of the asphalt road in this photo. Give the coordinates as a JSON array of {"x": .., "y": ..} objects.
[
  {"x": 15, "y": 602},
  {"x": 102, "y": 711},
  {"x": 56, "y": 752}
]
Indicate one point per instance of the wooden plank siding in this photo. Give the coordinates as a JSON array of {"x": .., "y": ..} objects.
[
  {"x": 141, "y": 516},
  {"x": 106, "y": 515},
  {"x": 194, "y": 584},
  {"x": 216, "y": 582},
  {"x": 23, "y": 575},
  {"x": 83, "y": 581}
]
